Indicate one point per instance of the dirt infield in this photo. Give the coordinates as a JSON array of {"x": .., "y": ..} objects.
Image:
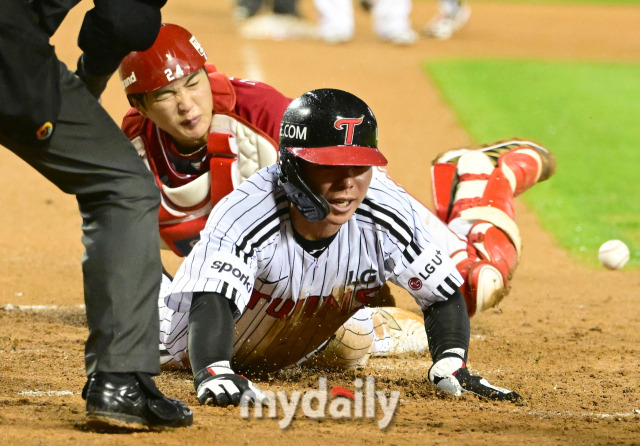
[{"x": 566, "y": 337}]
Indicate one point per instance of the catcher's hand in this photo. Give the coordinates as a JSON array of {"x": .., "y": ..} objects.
[
  {"x": 451, "y": 376},
  {"x": 219, "y": 385}
]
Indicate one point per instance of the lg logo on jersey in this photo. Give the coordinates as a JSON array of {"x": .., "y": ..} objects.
[
  {"x": 224, "y": 267},
  {"x": 428, "y": 269},
  {"x": 367, "y": 276}
]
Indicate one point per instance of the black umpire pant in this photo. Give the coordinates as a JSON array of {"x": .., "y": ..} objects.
[{"x": 90, "y": 157}]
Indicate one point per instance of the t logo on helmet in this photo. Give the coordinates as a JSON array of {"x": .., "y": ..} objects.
[{"x": 350, "y": 124}]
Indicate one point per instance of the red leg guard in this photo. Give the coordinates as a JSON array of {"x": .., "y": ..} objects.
[
  {"x": 495, "y": 247},
  {"x": 486, "y": 267},
  {"x": 464, "y": 267},
  {"x": 478, "y": 187},
  {"x": 526, "y": 166},
  {"x": 523, "y": 162},
  {"x": 496, "y": 194},
  {"x": 481, "y": 185},
  {"x": 442, "y": 177}
]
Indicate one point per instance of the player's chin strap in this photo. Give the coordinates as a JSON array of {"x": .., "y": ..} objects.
[
  {"x": 311, "y": 206},
  {"x": 311, "y": 210}
]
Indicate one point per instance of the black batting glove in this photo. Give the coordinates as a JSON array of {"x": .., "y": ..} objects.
[
  {"x": 218, "y": 385},
  {"x": 451, "y": 376}
]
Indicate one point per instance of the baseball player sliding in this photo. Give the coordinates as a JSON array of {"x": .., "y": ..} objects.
[
  {"x": 293, "y": 252},
  {"x": 289, "y": 276},
  {"x": 201, "y": 134}
]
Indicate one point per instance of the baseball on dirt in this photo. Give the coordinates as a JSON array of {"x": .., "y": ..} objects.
[{"x": 613, "y": 254}]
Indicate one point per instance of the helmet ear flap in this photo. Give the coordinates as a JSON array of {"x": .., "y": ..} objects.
[{"x": 312, "y": 206}]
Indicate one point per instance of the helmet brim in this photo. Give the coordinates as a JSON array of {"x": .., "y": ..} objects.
[{"x": 340, "y": 155}]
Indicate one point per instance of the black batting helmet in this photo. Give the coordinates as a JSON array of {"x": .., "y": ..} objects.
[{"x": 329, "y": 127}]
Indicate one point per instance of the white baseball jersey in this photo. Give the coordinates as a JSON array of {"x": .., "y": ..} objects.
[{"x": 289, "y": 301}]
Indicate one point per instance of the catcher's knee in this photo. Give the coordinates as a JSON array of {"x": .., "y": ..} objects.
[
  {"x": 398, "y": 331},
  {"x": 486, "y": 266},
  {"x": 383, "y": 331},
  {"x": 350, "y": 346},
  {"x": 485, "y": 288}
]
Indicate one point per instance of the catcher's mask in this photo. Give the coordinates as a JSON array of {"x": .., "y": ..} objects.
[
  {"x": 176, "y": 53},
  {"x": 329, "y": 127}
]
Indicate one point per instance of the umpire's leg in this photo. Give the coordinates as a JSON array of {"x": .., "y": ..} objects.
[{"x": 90, "y": 157}]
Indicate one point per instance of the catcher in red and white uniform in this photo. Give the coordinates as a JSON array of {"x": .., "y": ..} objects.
[
  {"x": 302, "y": 246},
  {"x": 202, "y": 134}
]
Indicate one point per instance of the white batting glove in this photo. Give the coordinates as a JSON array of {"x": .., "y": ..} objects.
[
  {"x": 219, "y": 385},
  {"x": 451, "y": 376},
  {"x": 442, "y": 374}
]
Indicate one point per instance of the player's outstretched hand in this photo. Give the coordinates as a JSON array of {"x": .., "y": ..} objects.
[
  {"x": 451, "y": 376},
  {"x": 219, "y": 385}
]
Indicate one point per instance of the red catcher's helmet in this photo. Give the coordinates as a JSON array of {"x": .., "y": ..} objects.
[{"x": 176, "y": 53}]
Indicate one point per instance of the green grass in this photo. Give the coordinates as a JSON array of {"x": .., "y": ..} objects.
[{"x": 587, "y": 115}]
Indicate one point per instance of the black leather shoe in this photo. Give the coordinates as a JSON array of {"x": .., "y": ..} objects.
[{"x": 131, "y": 401}]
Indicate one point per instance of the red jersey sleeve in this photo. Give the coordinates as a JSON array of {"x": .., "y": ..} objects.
[
  {"x": 132, "y": 123},
  {"x": 261, "y": 105}
]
